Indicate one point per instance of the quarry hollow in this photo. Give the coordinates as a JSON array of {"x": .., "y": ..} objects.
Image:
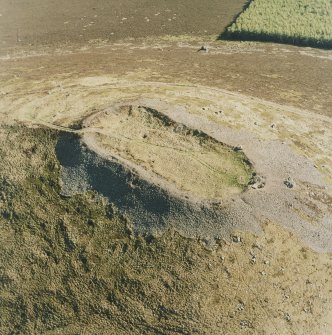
[{"x": 169, "y": 154}]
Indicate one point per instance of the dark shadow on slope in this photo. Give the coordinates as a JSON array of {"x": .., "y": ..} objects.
[
  {"x": 225, "y": 34},
  {"x": 277, "y": 38},
  {"x": 148, "y": 207}
]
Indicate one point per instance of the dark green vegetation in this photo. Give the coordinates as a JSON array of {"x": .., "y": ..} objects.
[{"x": 301, "y": 22}]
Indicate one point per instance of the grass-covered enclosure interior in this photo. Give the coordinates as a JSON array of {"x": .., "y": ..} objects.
[
  {"x": 185, "y": 158},
  {"x": 303, "y": 22}
]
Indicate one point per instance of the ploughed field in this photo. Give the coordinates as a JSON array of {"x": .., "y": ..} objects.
[{"x": 54, "y": 22}]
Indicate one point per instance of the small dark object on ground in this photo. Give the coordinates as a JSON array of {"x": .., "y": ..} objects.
[{"x": 203, "y": 48}]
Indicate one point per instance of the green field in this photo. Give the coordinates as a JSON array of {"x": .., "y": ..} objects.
[{"x": 303, "y": 22}]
